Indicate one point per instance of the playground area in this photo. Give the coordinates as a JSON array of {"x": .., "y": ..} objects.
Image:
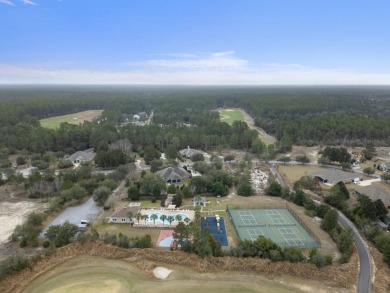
[
  {"x": 165, "y": 239},
  {"x": 216, "y": 227},
  {"x": 278, "y": 224}
]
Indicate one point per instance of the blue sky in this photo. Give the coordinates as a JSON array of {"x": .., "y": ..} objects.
[{"x": 195, "y": 42}]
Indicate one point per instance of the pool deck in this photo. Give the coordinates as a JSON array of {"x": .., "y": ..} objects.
[{"x": 168, "y": 212}]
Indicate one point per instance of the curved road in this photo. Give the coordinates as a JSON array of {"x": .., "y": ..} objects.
[{"x": 364, "y": 281}]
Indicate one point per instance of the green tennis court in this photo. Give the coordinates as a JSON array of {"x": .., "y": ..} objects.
[{"x": 277, "y": 224}]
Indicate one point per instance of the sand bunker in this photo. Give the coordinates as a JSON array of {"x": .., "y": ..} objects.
[
  {"x": 12, "y": 214},
  {"x": 161, "y": 272}
]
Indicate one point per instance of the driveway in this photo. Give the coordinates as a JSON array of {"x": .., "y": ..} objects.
[{"x": 86, "y": 211}]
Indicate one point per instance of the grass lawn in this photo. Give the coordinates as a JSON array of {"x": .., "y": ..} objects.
[
  {"x": 294, "y": 173},
  {"x": 230, "y": 115},
  {"x": 87, "y": 274},
  {"x": 75, "y": 118},
  {"x": 102, "y": 228}
]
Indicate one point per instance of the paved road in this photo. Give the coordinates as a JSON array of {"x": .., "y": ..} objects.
[
  {"x": 277, "y": 175},
  {"x": 364, "y": 280},
  {"x": 86, "y": 211}
]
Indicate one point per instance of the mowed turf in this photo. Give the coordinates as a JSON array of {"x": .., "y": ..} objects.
[
  {"x": 88, "y": 274},
  {"x": 230, "y": 115},
  {"x": 75, "y": 118}
]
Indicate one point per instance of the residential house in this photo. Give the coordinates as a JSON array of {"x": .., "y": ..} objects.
[
  {"x": 26, "y": 172},
  {"x": 141, "y": 115},
  {"x": 174, "y": 174},
  {"x": 188, "y": 152},
  {"x": 387, "y": 222},
  {"x": 375, "y": 193},
  {"x": 385, "y": 166},
  {"x": 121, "y": 215},
  {"x": 198, "y": 200},
  {"x": 381, "y": 225},
  {"x": 333, "y": 176},
  {"x": 82, "y": 156}
]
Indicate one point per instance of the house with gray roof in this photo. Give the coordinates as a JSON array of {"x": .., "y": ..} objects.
[
  {"x": 385, "y": 166},
  {"x": 332, "y": 176},
  {"x": 188, "y": 152},
  {"x": 387, "y": 221},
  {"x": 174, "y": 174},
  {"x": 82, "y": 156},
  {"x": 375, "y": 193},
  {"x": 121, "y": 215},
  {"x": 198, "y": 200}
]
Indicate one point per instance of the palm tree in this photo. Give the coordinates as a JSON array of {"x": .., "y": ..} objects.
[
  {"x": 130, "y": 215},
  {"x": 138, "y": 216},
  {"x": 145, "y": 217},
  {"x": 187, "y": 220},
  {"x": 154, "y": 217},
  {"x": 178, "y": 218},
  {"x": 163, "y": 218},
  {"x": 170, "y": 220}
]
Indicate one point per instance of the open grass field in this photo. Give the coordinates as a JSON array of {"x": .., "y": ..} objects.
[
  {"x": 87, "y": 274},
  {"x": 75, "y": 118},
  {"x": 294, "y": 173},
  {"x": 126, "y": 229},
  {"x": 231, "y": 115}
]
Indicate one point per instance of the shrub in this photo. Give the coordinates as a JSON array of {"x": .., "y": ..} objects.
[
  {"x": 328, "y": 259},
  {"x": 64, "y": 164},
  {"x": 20, "y": 161},
  {"x": 229, "y": 158},
  {"x": 318, "y": 260},
  {"x": 13, "y": 264},
  {"x": 41, "y": 165},
  {"x": 197, "y": 157}
]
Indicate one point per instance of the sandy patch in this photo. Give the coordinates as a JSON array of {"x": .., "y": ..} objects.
[
  {"x": 12, "y": 214},
  {"x": 161, "y": 272}
]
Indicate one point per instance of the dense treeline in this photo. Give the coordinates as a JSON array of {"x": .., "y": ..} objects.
[{"x": 311, "y": 115}]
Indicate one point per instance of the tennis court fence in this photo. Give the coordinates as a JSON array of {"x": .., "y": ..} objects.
[{"x": 272, "y": 206}]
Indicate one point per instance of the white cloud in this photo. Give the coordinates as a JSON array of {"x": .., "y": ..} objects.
[
  {"x": 28, "y": 2},
  {"x": 266, "y": 75},
  {"x": 222, "y": 54},
  {"x": 220, "y": 60},
  {"x": 7, "y": 2}
]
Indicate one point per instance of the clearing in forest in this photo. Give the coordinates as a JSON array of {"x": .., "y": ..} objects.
[
  {"x": 231, "y": 115},
  {"x": 75, "y": 118}
]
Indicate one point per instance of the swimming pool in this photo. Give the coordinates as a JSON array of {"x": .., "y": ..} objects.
[{"x": 159, "y": 214}]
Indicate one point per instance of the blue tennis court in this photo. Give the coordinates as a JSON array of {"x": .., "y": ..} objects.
[{"x": 217, "y": 231}]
